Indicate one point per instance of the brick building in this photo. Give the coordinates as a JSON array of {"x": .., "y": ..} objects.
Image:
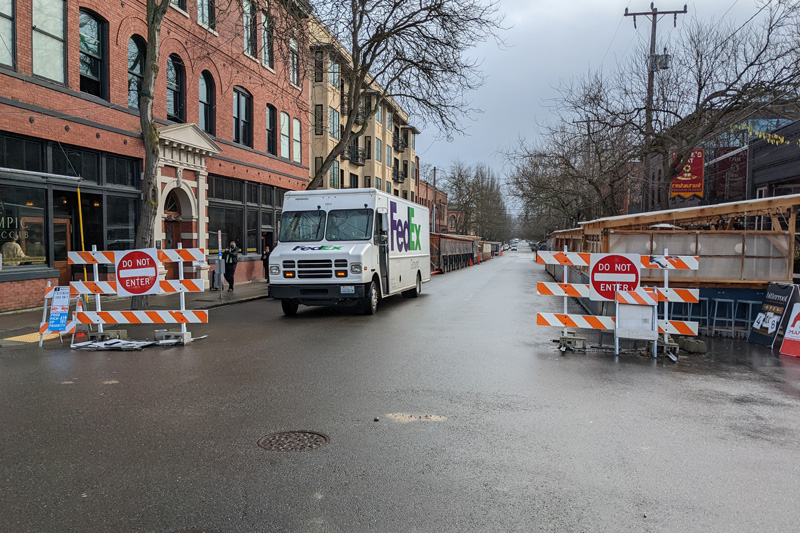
[
  {"x": 232, "y": 101},
  {"x": 436, "y": 202}
]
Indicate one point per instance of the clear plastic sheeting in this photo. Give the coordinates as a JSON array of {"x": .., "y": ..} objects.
[{"x": 727, "y": 256}]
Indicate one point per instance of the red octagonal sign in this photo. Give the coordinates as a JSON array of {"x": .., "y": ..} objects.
[
  {"x": 137, "y": 272},
  {"x": 611, "y": 273}
]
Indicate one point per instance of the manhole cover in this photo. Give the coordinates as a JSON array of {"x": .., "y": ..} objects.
[{"x": 293, "y": 441}]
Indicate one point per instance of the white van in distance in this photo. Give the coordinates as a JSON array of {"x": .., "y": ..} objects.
[{"x": 348, "y": 247}]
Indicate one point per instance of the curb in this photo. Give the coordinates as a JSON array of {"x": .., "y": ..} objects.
[{"x": 224, "y": 303}]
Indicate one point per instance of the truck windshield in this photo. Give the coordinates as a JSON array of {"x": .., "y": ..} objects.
[
  {"x": 302, "y": 226},
  {"x": 349, "y": 225}
]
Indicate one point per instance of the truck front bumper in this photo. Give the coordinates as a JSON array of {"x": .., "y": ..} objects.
[{"x": 320, "y": 294}]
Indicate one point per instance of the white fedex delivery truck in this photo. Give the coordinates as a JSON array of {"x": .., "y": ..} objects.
[{"x": 348, "y": 247}]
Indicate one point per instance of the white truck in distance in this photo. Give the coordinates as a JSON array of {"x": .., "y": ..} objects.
[{"x": 348, "y": 247}]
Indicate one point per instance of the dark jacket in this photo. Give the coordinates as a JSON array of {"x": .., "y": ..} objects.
[
  {"x": 231, "y": 256},
  {"x": 265, "y": 258}
]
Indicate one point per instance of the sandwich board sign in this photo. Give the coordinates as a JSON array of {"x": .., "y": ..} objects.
[
  {"x": 609, "y": 273},
  {"x": 137, "y": 272},
  {"x": 59, "y": 309},
  {"x": 767, "y": 323}
]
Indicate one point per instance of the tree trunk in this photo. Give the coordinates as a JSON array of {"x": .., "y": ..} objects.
[{"x": 149, "y": 212}]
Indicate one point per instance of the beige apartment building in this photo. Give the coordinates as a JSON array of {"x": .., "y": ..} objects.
[{"x": 384, "y": 157}]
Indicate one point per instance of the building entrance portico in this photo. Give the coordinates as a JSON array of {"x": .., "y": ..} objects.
[{"x": 182, "y": 182}]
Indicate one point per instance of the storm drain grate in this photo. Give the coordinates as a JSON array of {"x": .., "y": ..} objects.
[{"x": 293, "y": 441}]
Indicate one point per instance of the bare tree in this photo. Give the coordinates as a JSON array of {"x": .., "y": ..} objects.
[
  {"x": 588, "y": 163},
  {"x": 413, "y": 53},
  {"x": 720, "y": 75},
  {"x": 475, "y": 194}
]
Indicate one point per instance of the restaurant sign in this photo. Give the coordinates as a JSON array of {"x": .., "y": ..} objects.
[{"x": 689, "y": 182}]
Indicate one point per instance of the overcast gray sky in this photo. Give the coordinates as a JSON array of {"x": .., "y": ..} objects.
[{"x": 549, "y": 41}]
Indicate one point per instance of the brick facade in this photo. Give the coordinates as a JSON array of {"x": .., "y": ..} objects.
[
  {"x": 39, "y": 108},
  {"x": 25, "y": 294}
]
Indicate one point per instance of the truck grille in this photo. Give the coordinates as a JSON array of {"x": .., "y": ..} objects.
[{"x": 315, "y": 268}]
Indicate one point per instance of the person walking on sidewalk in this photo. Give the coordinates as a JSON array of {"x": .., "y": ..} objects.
[
  {"x": 231, "y": 258},
  {"x": 265, "y": 262}
]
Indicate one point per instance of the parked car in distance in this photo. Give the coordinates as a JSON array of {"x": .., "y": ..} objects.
[{"x": 513, "y": 247}]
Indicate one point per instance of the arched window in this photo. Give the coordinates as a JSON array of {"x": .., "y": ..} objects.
[
  {"x": 297, "y": 151},
  {"x": 176, "y": 89},
  {"x": 242, "y": 117},
  {"x": 206, "y": 117},
  {"x": 136, "y": 55},
  {"x": 93, "y": 61},
  {"x": 272, "y": 124}
]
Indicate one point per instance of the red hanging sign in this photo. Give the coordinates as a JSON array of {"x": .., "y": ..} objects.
[{"x": 689, "y": 181}]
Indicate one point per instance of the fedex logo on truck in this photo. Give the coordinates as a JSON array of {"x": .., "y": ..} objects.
[{"x": 405, "y": 233}]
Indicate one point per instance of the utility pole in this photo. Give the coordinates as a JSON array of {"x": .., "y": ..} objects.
[
  {"x": 433, "y": 222},
  {"x": 652, "y": 66}
]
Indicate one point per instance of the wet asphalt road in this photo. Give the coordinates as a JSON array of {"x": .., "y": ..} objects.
[{"x": 483, "y": 426}]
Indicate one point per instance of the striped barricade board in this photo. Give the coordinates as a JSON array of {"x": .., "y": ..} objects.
[
  {"x": 90, "y": 258},
  {"x": 108, "y": 257},
  {"x": 673, "y": 327},
  {"x": 581, "y": 290},
  {"x": 574, "y": 290},
  {"x": 678, "y": 327},
  {"x": 637, "y": 297},
  {"x": 182, "y": 254},
  {"x": 563, "y": 258},
  {"x": 575, "y": 321},
  {"x": 658, "y": 262},
  {"x": 142, "y": 317},
  {"x": 110, "y": 287}
]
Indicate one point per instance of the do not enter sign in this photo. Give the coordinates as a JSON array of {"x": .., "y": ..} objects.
[
  {"x": 610, "y": 273},
  {"x": 137, "y": 272}
]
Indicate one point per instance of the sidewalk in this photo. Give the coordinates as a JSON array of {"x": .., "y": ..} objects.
[{"x": 23, "y": 322}]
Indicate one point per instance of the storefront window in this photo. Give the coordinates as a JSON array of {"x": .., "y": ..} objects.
[
  {"x": 22, "y": 227},
  {"x": 252, "y": 231},
  {"x": 74, "y": 162},
  {"x": 21, "y": 154},
  {"x": 266, "y": 195},
  {"x": 120, "y": 223},
  {"x": 229, "y": 221}
]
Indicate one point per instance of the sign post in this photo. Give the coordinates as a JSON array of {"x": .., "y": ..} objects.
[{"x": 610, "y": 273}]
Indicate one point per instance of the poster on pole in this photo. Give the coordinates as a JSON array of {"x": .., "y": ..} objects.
[
  {"x": 791, "y": 338},
  {"x": 768, "y": 322},
  {"x": 59, "y": 309}
]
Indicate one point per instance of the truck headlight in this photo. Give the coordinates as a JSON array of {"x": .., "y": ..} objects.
[
  {"x": 355, "y": 268},
  {"x": 274, "y": 269}
]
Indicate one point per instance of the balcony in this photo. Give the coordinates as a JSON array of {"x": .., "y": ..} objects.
[
  {"x": 399, "y": 144},
  {"x": 355, "y": 155},
  {"x": 398, "y": 176},
  {"x": 345, "y": 110}
]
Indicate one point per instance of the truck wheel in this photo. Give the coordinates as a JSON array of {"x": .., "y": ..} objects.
[
  {"x": 289, "y": 307},
  {"x": 413, "y": 293},
  {"x": 371, "y": 301}
]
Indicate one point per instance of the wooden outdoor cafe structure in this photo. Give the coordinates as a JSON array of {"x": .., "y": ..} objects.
[{"x": 741, "y": 245}]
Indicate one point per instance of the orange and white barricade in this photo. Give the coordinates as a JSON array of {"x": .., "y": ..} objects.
[
  {"x": 178, "y": 286},
  {"x": 142, "y": 317},
  {"x": 650, "y": 297}
]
